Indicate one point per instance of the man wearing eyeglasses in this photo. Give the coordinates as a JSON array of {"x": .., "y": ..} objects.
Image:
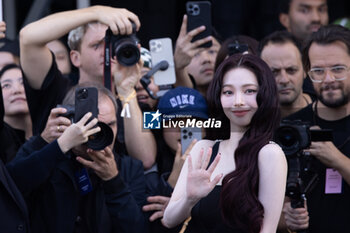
[{"x": 326, "y": 57}]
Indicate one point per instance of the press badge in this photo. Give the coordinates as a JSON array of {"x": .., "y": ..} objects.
[
  {"x": 333, "y": 181},
  {"x": 83, "y": 181}
]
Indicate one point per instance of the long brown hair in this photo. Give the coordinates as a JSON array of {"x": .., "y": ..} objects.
[{"x": 239, "y": 197}]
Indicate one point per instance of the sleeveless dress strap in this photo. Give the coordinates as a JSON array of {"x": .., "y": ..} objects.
[{"x": 214, "y": 152}]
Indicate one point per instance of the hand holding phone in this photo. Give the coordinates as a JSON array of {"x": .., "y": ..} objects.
[
  {"x": 199, "y": 14},
  {"x": 86, "y": 100}
]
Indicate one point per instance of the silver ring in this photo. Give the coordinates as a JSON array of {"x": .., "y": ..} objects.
[{"x": 58, "y": 128}]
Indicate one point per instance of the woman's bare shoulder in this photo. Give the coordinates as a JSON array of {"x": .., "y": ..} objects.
[
  {"x": 202, "y": 144},
  {"x": 205, "y": 143},
  {"x": 271, "y": 153}
]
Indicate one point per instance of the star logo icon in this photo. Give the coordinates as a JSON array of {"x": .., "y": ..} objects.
[
  {"x": 155, "y": 115},
  {"x": 151, "y": 120}
]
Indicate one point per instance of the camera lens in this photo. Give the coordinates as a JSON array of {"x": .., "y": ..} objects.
[
  {"x": 83, "y": 93},
  {"x": 287, "y": 138},
  {"x": 102, "y": 139},
  {"x": 128, "y": 54}
]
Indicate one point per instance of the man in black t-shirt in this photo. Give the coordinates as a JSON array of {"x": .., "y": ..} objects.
[
  {"x": 87, "y": 28},
  {"x": 327, "y": 59}
]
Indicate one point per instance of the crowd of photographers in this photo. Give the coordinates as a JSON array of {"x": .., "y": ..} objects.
[{"x": 61, "y": 173}]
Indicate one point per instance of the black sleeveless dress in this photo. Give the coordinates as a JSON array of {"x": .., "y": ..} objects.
[{"x": 206, "y": 214}]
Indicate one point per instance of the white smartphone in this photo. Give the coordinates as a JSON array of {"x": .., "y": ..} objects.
[
  {"x": 188, "y": 135},
  {"x": 1, "y": 16},
  {"x": 162, "y": 49}
]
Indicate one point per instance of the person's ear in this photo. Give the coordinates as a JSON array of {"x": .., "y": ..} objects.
[
  {"x": 284, "y": 20},
  {"x": 75, "y": 58}
]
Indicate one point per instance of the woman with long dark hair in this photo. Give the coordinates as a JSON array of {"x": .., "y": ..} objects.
[{"x": 236, "y": 184}]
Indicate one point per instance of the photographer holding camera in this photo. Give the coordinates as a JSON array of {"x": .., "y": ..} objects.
[
  {"x": 76, "y": 188},
  {"x": 326, "y": 57},
  {"x": 46, "y": 86}
]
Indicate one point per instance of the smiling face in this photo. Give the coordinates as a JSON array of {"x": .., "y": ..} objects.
[
  {"x": 330, "y": 92},
  {"x": 238, "y": 97},
  {"x": 285, "y": 62},
  {"x": 15, "y": 102}
]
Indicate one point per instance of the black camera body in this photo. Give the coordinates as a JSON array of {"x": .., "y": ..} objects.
[
  {"x": 86, "y": 100},
  {"x": 293, "y": 137},
  {"x": 124, "y": 47},
  {"x": 236, "y": 47}
]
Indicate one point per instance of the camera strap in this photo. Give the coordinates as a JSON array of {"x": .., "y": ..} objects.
[{"x": 107, "y": 61}]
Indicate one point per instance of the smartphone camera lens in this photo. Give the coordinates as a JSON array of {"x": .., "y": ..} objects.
[
  {"x": 190, "y": 134},
  {"x": 185, "y": 137},
  {"x": 190, "y": 6},
  {"x": 83, "y": 94},
  {"x": 194, "y": 10}
]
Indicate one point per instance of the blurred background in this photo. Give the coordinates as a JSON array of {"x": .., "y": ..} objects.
[{"x": 162, "y": 18}]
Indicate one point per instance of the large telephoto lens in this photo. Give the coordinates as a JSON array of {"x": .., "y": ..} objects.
[{"x": 102, "y": 139}]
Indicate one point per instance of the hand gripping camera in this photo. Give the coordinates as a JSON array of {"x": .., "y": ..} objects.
[
  {"x": 294, "y": 137},
  {"x": 86, "y": 100},
  {"x": 124, "y": 48}
]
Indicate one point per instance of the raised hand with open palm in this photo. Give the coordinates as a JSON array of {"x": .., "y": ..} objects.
[{"x": 199, "y": 184}]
